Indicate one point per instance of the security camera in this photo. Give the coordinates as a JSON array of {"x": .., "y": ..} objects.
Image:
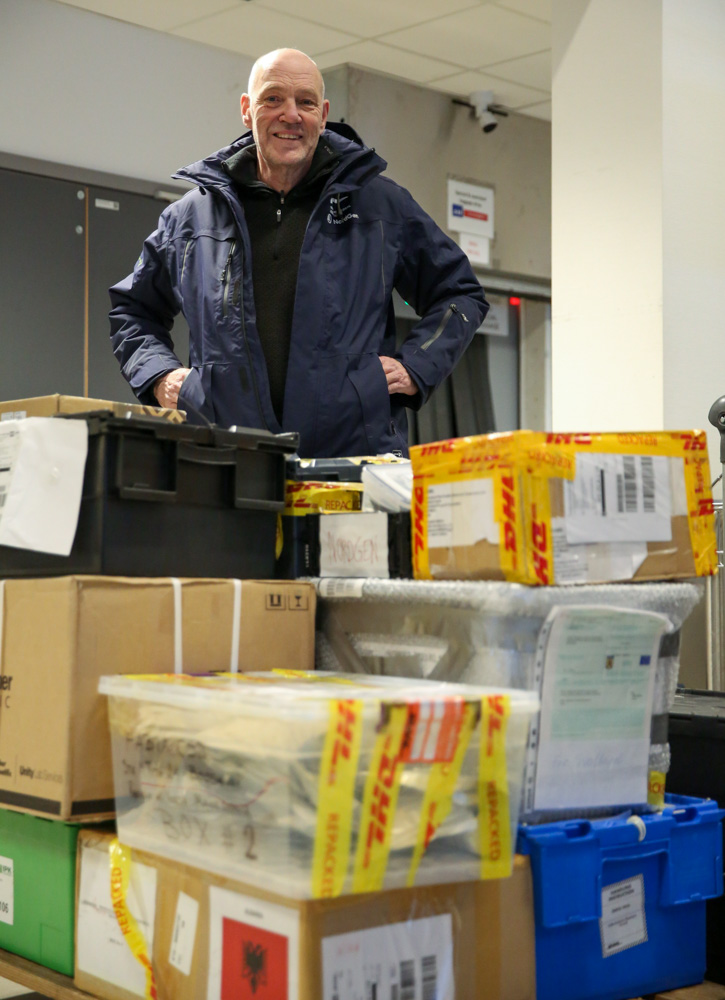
[{"x": 481, "y": 101}]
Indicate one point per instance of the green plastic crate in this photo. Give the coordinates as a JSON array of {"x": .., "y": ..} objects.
[{"x": 37, "y": 889}]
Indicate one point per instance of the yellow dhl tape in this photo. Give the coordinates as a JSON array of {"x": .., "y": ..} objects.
[
  {"x": 120, "y": 860},
  {"x": 493, "y": 795},
  {"x": 303, "y": 498}
]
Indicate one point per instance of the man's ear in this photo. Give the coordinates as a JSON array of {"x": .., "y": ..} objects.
[
  {"x": 246, "y": 106},
  {"x": 325, "y": 113}
]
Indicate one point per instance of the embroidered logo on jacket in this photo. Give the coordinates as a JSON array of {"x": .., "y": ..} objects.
[{"x": 340, "y": 210}]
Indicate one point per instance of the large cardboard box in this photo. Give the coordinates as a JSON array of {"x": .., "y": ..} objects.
[
  {"x": 59, "y": 635},
  {"x": 49, "y": 406},
  {"x": 208, "y": 937},
  {"x": 563, "y": 508}
]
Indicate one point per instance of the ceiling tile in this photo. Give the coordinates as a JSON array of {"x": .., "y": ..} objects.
[
  {"x": 540, "y": 9},
  {"x": 538, "y": 110},
  {"x": 531, "y": 71},
  {"x": 384, "y": 59},
  {"x": 510, "y": 95},
  {"x": 369, "y": 18},
  {"x": 475, "y": 37},
  {"x": 253, "y": 30},
  {"x": 159, "y": 14}
]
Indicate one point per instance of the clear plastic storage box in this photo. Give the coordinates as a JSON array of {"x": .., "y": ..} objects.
[{"x": 320, "y": 785}]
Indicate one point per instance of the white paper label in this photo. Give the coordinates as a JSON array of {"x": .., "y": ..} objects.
[
  {"x": 354, "y": 545},
  {"x": 596, "y": 707},
  {"x": 101, "y": 948},
  {"x": 406, "y": 961},
  {"x": 597, "y": 562},
  {"x": 7, "y": 891},
  {"x": 184, "y": 935},
  {"x": 461, "y": 513},
  {"x": 13, "y": 415},
  {"x": 618, "y": 498},
  {"x": 623, "y": 923},
  {"x": 42, "y": 461},
  {"x": 340, "y": 588},
  {"x": 112, "y": 206},
  {"x": 253, "y": 947}
]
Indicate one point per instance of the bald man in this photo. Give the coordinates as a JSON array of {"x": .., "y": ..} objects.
[{"x": 283, "y": 261}]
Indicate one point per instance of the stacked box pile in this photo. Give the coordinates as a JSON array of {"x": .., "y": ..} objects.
[{"x": 61, "y": 629}]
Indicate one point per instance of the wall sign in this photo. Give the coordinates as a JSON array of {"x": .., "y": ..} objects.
[{"x": 470, "y": 208}]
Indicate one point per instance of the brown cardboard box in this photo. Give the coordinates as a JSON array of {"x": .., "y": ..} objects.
[
  {"x": 59, "y": 635},
  {"x": 48, "y": 406},
  {"x": 492, "y": 507},
  {"x": 210, "y": 935}
]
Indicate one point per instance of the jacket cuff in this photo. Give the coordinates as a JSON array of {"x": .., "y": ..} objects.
[{"x": 146, "y": 377}]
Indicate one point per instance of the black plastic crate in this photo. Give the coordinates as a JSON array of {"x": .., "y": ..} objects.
[
  {"x": 697, "y": 744},
  {"x": 168, "y": 499},
  {"x": 300, "y": 554}
]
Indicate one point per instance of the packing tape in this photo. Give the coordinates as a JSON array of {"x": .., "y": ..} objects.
[
  {"x": 236, "y": 625},
  {"x": 120, "y": 859},
  {"x": 178, "y": 627},
  {"x": 336, "y": 798},
  {"x": 494, "y": 818}
]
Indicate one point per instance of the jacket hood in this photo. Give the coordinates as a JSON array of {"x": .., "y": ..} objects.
[{"x": 357, "y": 164}]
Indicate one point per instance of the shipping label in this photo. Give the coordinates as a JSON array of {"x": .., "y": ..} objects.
[
  {"x": 623, "y": 923},
  {"x": 354, "y": 545},
  {"x": 412, "y": 960},
  {"x": 183, "y": 938},
  {"x": 461, "y": 514},
  {"x": 619, "y": 498}
]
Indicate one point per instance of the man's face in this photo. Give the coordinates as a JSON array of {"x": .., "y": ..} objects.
[{"x": 286, "y": 112}]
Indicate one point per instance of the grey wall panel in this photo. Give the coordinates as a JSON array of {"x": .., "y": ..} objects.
[
  {"x": 42, "y": 250},
  {"x": 119, "y": 222}
]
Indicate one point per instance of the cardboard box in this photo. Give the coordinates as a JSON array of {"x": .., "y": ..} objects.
[
  {"x": 48, "y": 406},
  {"x": 564, "y": 508},
  {"x": 59, "y": 635},
  {"x": 219, "y": 939}
]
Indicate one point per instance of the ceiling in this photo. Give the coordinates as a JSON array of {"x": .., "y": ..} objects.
[{"x": 454, "y": 46}]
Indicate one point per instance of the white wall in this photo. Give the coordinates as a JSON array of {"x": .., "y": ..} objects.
[
  {"x": 607, "y": 351},
  {"x": 85, "y": 90},
  {"x": 694, "y": 213}
]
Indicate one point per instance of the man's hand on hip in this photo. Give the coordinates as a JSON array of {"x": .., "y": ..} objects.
[
  {"x": 398, "y": 378},
  {"x": 167, "y": 388}
]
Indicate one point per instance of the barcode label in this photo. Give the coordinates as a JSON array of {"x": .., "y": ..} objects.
[
  {"x": 429, "y": 968},
  {"x": 648, "y": 484},
  {"x": 628, "y": 490},
  {"x": 412, "y": 960},
  {"x": 407, "y": 980}
]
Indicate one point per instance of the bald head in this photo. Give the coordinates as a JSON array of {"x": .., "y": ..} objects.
[{"x": 291, "y": 60}]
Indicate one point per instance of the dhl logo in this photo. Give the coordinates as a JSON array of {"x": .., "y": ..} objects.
[
  {"x": 380, "y": 816},
  {"x": 418, "y": 522},
  {"x": 344, "y": 737},
  {"x": 693, "y": 442},
  {"x": 439, "y": 448},
  {"x": 494, "y": 725},
  {"x": 580, "y": 439},
  {"x": 508, "y": 511},
  {"x": 539, "y": 541}
]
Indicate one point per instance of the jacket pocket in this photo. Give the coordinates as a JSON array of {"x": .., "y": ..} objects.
[{"x": 193, "y": 397}]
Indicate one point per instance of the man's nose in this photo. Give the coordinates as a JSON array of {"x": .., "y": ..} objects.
[{"x": 290, "y": 111}]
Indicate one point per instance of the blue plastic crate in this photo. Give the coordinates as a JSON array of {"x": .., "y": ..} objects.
[{"x": 620, "y": 902}]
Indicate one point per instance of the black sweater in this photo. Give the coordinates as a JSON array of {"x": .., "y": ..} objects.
[{"x": 277, "y": 222}]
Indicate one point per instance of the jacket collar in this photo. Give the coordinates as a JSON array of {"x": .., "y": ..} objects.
[{"x": 356, "y": 163}]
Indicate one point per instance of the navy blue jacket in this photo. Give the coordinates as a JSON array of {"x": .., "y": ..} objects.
[{"x": 365, "y": 237}]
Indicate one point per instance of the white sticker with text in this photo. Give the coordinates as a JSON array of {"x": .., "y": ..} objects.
[
  {"x": 7, "y": 891},
  {"x": 184, "y": 935},
  {"x": 623, "y": 923},
  {"x": 461, "y": 514},
  {"x": 354, "y": 545}
]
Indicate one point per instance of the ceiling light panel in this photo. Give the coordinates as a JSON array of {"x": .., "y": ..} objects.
[
  {"x": 475, "y": 37},
  {"x": 253, "y": 30},
  {"x": 370, "y": 18},
  {"x": 384, "y": 59}
]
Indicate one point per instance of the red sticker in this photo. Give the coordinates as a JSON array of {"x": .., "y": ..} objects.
[{"x": 254, "y": 963}]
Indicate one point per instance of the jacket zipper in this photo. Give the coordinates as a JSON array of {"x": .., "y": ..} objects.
[
  {"x": 183, "y": 263},
  {"x": 452, "y": 308},
  {"x": 279, "y": 225},
  {"x": 248, "y": 349},
  {"x": 226, "y": 274}
]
